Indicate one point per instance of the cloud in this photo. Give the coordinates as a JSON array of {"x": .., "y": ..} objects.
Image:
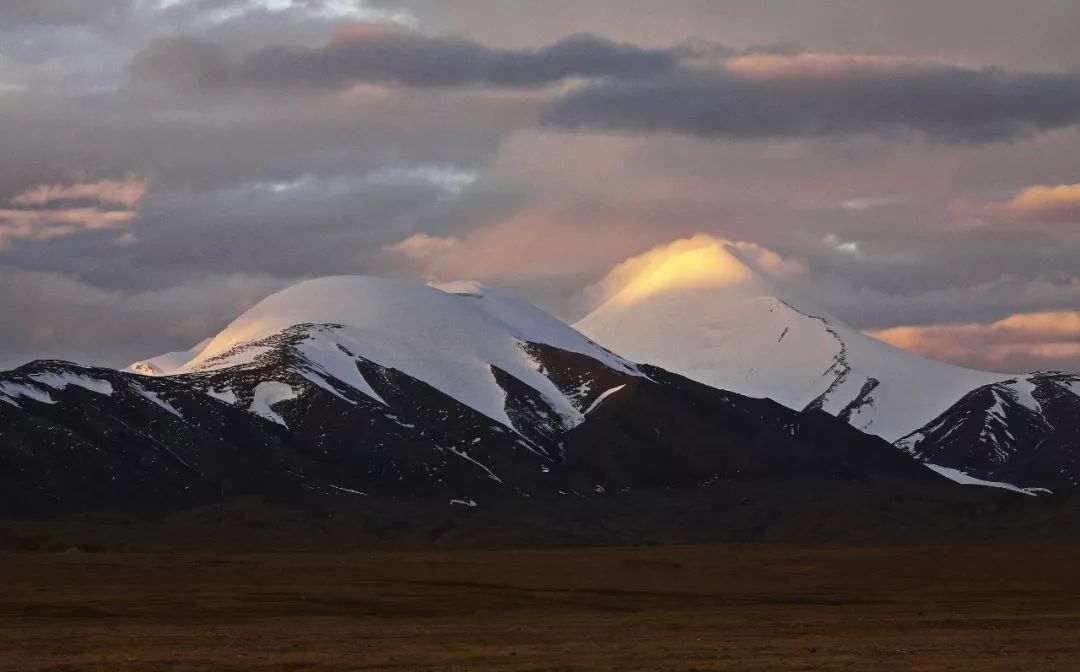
[
  {"x": 60, "y": 12},
  {"x": 397, "y": 57},
  {"x": 255, "y": 176},
  {"x": 422, "y": 247},
  {"x": 126, "y": 239},
  {"x": 860, "y": 203},
  {"x": 307, "y": 226},
  {"x": 1039, "y": 340},
  {"x": 344, "y": 33},
  {"x": 181, "y": 62},
  {"x": 538, "y": 244},
  {"x": 43, "y": 225},
  {"x": 116, "y": 327},
  {"x": 357, "y": 10},
  {"x": 1045, "y": 204},
  {"x": 796, "y": 63},
  {"x": 121, "y": 192},
  {"x": 48, "y": 212},
  {"x": 450, "y": 179},
  {"x": 812, "y": 95},
  {"x": 215, "y": 12},
  {"x": 841, "y": 246},
  {"x": 1033, "y": 209}
]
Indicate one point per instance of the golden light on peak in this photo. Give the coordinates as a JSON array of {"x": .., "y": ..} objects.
[{"x": 700, "y": 261}]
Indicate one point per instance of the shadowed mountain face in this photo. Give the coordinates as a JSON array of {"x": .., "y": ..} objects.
[{"x": 360, "y": 410}]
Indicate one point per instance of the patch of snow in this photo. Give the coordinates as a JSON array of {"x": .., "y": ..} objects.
[
  {"x": 228, "y": 396},
  {"x": 463, "y": 502},
  {"x": 603, "y": 396},
  {"x": 266, "y": 395},
  {"x": 59, "y": 381},
  {"x": 465, "y": 456},
  {"x": 348, "y": 490},
  {"x": 997, "y": 411},
  {"x": 1072, "y": 384},
  {"x": 328, "y": 357},
  {"x": 154, "y": 398},
  {"x": 12, "y": 391},
  {"x": 957, "y": 476},
  {"x": 319, "y": 381},
  {"x": 1023, "y": 389}
]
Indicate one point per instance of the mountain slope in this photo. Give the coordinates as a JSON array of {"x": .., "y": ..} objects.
[
  {"x": 1025, "y": 430},
  {"x": 347, "y": 389},
  {"x": 448, "y": 339},
  {"x": 706, "y": 312}
]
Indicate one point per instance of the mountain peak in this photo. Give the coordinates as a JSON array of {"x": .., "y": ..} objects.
[
  {"x": 698, "y": 262},
  {"x": 714, "y": 265},
  {"x": 457, "y": 337},
  {"x": 715, "y": 311}
]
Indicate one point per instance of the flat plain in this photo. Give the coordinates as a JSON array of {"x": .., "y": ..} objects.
[{"x": 1004, "y": 606}]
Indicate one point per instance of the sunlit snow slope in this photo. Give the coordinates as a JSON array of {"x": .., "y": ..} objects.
[
  {"x": 449, "y": 337},
  {"x": 704, "y": 310}
]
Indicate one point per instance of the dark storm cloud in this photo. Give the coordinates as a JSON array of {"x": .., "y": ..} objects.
[
  {"x": 402, "y": 58},
  {"x": 949, "y": 103}
]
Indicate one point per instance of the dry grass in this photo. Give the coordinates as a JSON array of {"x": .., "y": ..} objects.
[{"x": 992, "y": 607}]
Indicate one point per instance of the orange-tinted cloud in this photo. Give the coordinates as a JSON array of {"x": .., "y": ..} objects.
[
  {"x": 811, "y": 64},
  {"x": 538, "y": 242},
  {"x": 1049, "y": 339},
  {"x": 355, "y": 30},
  {"x": 127, "y": 192},
  {"x": 1059, "y": 203},
  {"x": 422, "y": 247},
  {"x": 41, "y": 214}
]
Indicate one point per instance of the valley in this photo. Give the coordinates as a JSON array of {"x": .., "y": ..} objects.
[{"x": 994, "y": 606}]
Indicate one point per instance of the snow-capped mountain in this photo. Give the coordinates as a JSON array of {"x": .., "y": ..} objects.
[
  {"x": 705, "y": 310},
  {"x": 449, "y": 337},
  {"x": 1025, "y": 430},
  {"x": 351, "y": 387}
]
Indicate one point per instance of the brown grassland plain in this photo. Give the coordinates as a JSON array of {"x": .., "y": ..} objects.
[{"x": 1005, "y": 606}]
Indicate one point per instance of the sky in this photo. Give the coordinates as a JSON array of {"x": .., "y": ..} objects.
[{"x": 165, "y": 164}]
